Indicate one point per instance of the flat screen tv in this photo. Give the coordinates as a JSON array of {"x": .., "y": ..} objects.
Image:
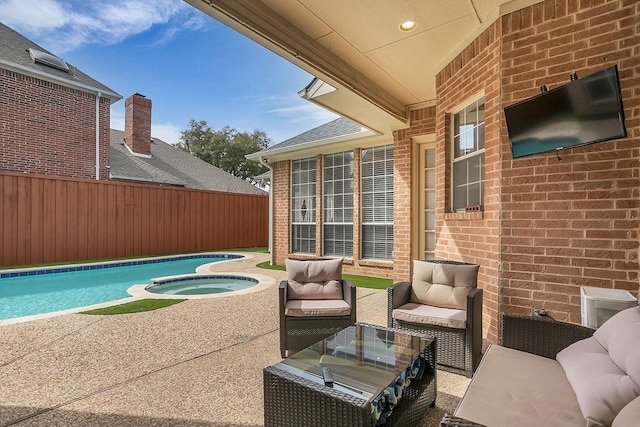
[{"x": 583, "y": 111}]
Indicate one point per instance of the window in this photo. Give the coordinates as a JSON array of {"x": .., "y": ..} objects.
[
  {"x": 303, "y": 206},
  {"x": 468, "y": 157},
  {"x": 338, "y": 204},
  {"x": 377, "y": 203}
]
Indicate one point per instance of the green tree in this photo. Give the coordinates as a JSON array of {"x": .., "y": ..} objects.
[{"x": 225, "y": 148}]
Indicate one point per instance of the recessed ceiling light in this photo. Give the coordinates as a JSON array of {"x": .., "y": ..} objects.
[{"x": 407, "y": 26}]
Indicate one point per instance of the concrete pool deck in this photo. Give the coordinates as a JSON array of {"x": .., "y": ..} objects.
[{"x": 197, "y": 363}]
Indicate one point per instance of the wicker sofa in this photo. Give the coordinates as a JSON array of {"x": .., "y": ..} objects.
[{"x": 549, "y": 373}]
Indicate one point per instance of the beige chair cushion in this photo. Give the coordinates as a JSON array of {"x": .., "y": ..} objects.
[
  {"x": 430, "y": 315},
  {"x": 629, "y": 416},
  {"x": 601, "y": 387},
  {"x": 314, "y": 279},
  {"x": 317, "y": 307},
  {"x": 513, "y": 388},
  {"x": 442, "y": 285}
]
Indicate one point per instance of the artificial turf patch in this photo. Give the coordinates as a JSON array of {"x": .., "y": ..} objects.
[{"x": 137, "y": 306}]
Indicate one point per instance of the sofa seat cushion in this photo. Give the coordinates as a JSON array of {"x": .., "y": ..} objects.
[
  {"x": 317, "y": 307},
  {"x": 429, "y": 315},
  {"x": 514, "y": 388},
  {"x": 443, "y": 285},
  {"x": 314, "y": 279},
  {"x": 603, "y": 369}
]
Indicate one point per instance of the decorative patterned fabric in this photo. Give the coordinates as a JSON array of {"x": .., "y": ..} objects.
[{"x": 382, "y": 406}]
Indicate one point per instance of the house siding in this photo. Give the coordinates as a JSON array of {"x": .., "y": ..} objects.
[
  {"x": 472, "y": 236},
  {"x": 549, "y": 225},
  {"x": 50, "y": 129},
  {"x": 572, "y": 220}
]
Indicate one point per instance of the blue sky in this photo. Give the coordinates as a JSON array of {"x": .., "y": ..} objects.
[{"x": 188, "y": 64}]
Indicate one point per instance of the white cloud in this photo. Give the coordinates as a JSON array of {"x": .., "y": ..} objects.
[
  {"x": 65, "y": 26},
  {"x": 293, "y": 109},
  {"x": 168, "y": 132}
]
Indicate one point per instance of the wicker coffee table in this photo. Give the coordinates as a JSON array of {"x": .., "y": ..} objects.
[{"x": 363, "y": 360}]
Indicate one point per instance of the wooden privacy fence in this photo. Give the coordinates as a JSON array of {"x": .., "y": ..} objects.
[{"x": 51, "y": 219}]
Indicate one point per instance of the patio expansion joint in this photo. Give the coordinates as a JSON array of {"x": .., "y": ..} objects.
[
  {"x": 127, "y": 381},
  {"x": 58, "y": 339}
]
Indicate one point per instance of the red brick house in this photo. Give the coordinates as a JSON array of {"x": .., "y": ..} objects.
[
  {"x": 542, "y": 225},
  {"x": 55, "y": 118}
]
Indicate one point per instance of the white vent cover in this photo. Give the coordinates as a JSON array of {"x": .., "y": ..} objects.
[
  {"x": 599, "y": 304},
  {"x": 38, "y": 56}
]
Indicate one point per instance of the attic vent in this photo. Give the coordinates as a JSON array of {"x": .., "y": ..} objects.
[{"x": 37, "y": 56}]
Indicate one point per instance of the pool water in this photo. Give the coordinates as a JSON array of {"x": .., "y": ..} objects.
[
  {"x": 203, "y": 285},
  {"x": 58, "y": 290}
]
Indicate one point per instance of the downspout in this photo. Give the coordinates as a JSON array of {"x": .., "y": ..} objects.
[
  {"x": 264, "y": 162},
  {"x": 98, "y": 95}
]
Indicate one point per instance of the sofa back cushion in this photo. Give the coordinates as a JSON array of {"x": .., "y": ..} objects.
[
  {"x": 603, "y": 369},
  {"x": 620, "y": 336},
  {"x": 314, "y": 279},
  {"x": 442, "y": 284}
]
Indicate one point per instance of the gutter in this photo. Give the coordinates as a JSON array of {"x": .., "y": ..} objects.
[{"x": 113, "y": 96}]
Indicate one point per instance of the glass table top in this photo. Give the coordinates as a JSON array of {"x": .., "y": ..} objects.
[{"x": 363, "y": 359}]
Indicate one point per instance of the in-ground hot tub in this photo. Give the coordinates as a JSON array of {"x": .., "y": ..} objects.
[{"x": 202, "y": 285}]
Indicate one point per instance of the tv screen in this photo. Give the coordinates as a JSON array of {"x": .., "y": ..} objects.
[{"x": 583, "y": 111}]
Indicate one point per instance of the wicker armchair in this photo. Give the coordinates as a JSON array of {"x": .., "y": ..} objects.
[
  {"x": 442, "y": 301},
  {"x": 314, "y": 302},
  {"x": 541, "y": 336}
]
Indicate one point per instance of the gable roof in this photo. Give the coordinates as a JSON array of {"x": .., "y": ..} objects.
[
  {"x": 169, "y": 165},
  {"x": 338, "y": 130},
  {"x": 14, "y": 55}
]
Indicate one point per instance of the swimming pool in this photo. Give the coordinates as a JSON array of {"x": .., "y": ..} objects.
[{"x": 52, "y": 289}]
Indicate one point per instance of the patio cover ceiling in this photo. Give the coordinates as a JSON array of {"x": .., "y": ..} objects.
[{"x": 356, "y": 46}]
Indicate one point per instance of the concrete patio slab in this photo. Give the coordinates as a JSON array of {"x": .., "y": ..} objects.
[{"x": 197, "y": 363}]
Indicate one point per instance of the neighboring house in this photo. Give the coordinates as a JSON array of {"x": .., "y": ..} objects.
[
  {"x": 138, "y": 157},
  {"x": 50, "y": 111},
  {"x": 540, "y": 227}
]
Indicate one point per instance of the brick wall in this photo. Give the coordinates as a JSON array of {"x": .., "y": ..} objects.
[
  {"x": 281, "y": 188},
  {"x": 472, "y": 236},
  {"x": 572, "y": 221},
  {"x": 421, "y": 122},
  {"x": 50, "y": 129}
]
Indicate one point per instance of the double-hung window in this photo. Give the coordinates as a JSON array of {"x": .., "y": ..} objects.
[
  {"x": 468, "y": 157},
  {"x": 303, "y": 206},
  {"x": 377, "y": 203},
  {"x": 338, "y": 204}
]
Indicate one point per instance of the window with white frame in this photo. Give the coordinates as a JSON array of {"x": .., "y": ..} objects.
[
  {"x": 303, "y": 206},
  {"x": 338, "y": 204},
  {"x": 377, "y": 203},
  {"x": 468, "y": 157}
]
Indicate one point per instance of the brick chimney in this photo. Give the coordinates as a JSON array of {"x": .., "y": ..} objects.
[{"x": 137, "y": 124}]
